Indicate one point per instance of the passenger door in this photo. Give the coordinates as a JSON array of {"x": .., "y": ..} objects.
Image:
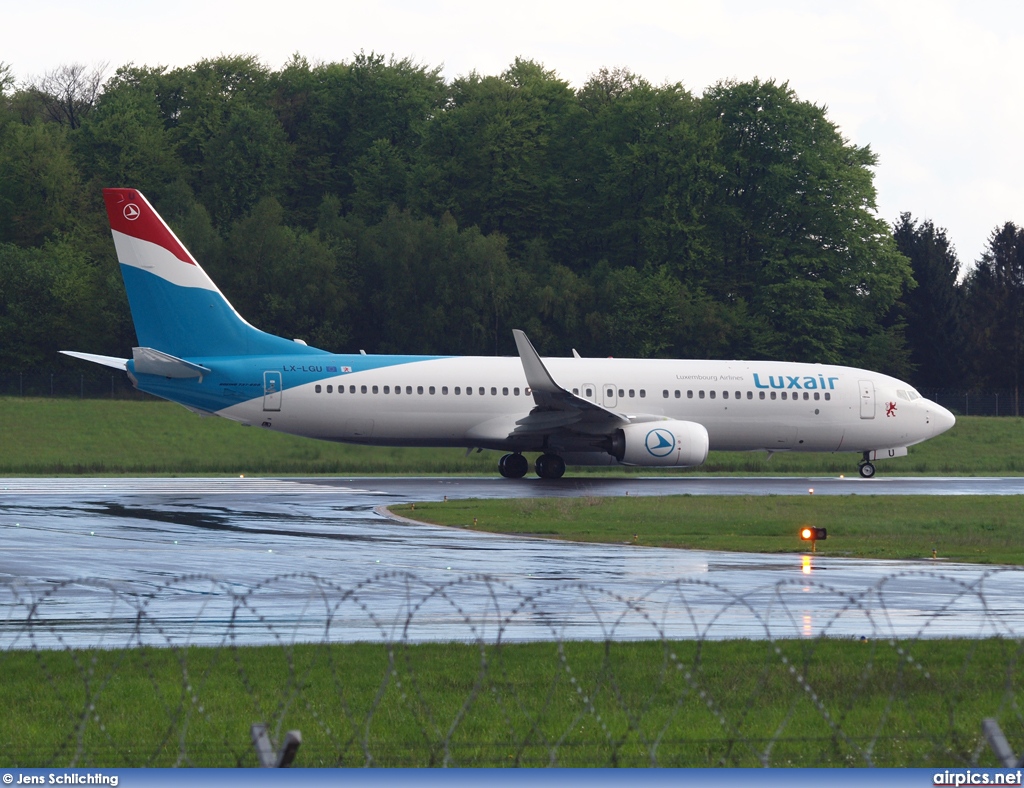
[{"x": 867, "y": 399}]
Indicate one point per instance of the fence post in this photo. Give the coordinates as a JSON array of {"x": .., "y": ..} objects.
[
  {"x": 1000, "y": 746},
  {"x": 265, "y": 748}
]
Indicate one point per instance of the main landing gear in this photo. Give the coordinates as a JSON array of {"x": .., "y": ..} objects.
[
  {"x": 866, "y": 468},
  {"x": 515, "y": 466}
]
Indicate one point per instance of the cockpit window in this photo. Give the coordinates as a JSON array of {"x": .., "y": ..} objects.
[
  {"x": 902, "y": 394},
  {"x": 914, "y": 395}
]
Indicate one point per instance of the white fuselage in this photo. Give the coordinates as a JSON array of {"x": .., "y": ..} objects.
[{"x": 476, "y": 401}]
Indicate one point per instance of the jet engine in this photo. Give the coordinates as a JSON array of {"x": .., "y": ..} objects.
[{"x": 661, "y": 443}]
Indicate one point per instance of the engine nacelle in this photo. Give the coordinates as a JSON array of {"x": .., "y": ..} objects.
[{"x": 661, "y": 443}]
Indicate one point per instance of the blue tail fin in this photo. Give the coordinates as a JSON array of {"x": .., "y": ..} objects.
[{"x": 176, "y": 307}]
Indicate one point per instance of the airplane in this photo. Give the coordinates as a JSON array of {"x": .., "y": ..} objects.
[{"x": 196, "y": 350}]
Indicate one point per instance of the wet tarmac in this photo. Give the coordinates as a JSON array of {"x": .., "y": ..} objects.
[{"x": 115, "y": 562}]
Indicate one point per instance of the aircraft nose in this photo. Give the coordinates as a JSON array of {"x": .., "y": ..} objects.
[{"x": 940, "y": 418}]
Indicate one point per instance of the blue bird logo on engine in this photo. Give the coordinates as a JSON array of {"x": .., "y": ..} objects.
[{"x": 660, "y": 443}]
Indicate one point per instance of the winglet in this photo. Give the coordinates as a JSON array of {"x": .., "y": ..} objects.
[{"x": 537, "y": 375}]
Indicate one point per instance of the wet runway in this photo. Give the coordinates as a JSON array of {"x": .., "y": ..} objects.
[{"x": 121, "y": 561}]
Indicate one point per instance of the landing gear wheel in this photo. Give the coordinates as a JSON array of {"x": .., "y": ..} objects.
[
  {"x": 867, "y": 470},
  {"x": 513, "y": 466},
  {"x": 550, "y": 466}
]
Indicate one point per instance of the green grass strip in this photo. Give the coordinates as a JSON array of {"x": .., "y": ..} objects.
[
  {"x": 735, "y": 703},
  {"x": 974, "y": 528}
]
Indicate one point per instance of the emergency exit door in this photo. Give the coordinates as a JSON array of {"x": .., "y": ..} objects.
[{"x": 271, "y": 391}]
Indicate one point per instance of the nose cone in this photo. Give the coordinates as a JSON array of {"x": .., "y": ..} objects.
[{"x": 939, "y": 418}]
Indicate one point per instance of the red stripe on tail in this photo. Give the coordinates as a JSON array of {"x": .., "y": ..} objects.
[{"x": 131, "y": 214}]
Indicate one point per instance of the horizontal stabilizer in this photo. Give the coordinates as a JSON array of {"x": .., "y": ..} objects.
[
  {"x": 152, "y": 362},
  {"x": 107, "y": 361}
]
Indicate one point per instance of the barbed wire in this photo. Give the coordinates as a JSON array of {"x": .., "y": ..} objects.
[{"x": 478, "y": 670}]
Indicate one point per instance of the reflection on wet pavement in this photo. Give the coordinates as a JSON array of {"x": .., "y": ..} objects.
[{"x": 260, "y": 560}]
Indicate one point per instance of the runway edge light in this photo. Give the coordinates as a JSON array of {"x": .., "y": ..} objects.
[{"x": 810, "y": 533}]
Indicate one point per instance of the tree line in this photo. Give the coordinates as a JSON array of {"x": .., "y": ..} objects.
[{"x": 372, "y": 204}]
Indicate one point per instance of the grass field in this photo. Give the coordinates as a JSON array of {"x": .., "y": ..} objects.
[
  {"x": 97, "y": 437},
  {"x": 975, "y": 528},
  {"x": 791, "y": 703}
]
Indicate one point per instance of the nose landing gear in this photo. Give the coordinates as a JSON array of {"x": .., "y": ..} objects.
[{"x": 866, "y": 468}]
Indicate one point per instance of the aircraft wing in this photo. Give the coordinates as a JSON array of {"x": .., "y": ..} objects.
[{"x": 556, "y": 408}]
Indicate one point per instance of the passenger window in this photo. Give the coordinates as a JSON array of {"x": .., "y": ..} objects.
[
  {"x": 330, "y": 389},
  {"x": 590, "y": 393},
  {"x": 643, "y": 393},
  {"x": 494, "y": 391},
  {"x": 398, "y": 389},
  {"x": 806, "y": 396},
  {"x": 419, "y": 389},
  {"x": 711, "y": 393},
  {"x": 725, "y": 395},
  {"x": 611, "y": 393},
  {"x": 700, "y": 394},
  {"x": 760, "y": 395},
  {"x": 631, "y": 393},
  {"x": 515, "y": 391},
  {"x": 739, "y": 395},
  {"x": 375, "y": 389},
  {"x": 750, "y": 395},
  {"x": 773, "y": 395},
  {"x": 317, "y": 389},
  {"x": 504, "y": 391},
  {"x": 362, "y": 389},
  {"x": 817, "y": 396},
  {"x": 665, "y": 393},
  {"x": 408, "y": 389},
  {"x": 677, "y": 394},
  {"x": 431, "y": 390},
  {"x": 526, "y": 391},
  {"x": 458, "y": 389},
  {"x": 444, "y": 389},
  {"x": 574, "y": 391},
  {"x": 469, "y": 390},
  {"x": 783, "y": 394},
  {"x": 828, "y": 396},
  {"x": 481, "y": 392},
  {"x": 689, "y": 394}
]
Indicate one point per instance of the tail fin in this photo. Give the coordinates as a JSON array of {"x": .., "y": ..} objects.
[{"x": 176, "y": 307}]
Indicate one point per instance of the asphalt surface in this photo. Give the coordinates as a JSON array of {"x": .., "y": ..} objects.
[{"x": 115, "y": 562}]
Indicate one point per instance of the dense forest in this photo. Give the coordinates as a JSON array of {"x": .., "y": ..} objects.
[{"x": 374, "y": 205}]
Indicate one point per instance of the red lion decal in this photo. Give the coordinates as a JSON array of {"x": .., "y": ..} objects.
[{"x": 890, "y": 409}]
